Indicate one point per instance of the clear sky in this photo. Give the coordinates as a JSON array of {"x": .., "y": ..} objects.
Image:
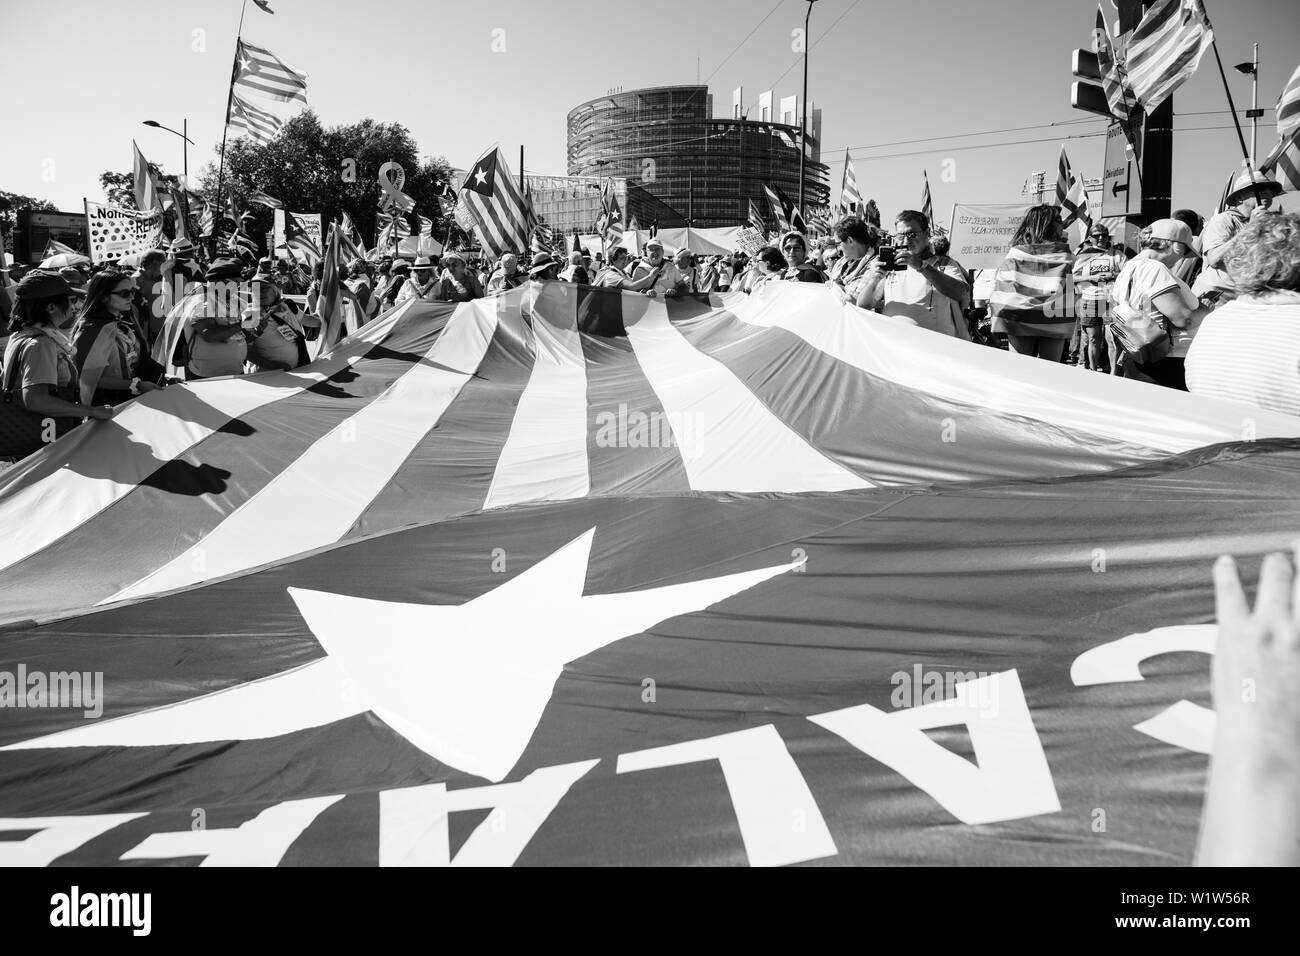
[{"x": 80, "y": 76}]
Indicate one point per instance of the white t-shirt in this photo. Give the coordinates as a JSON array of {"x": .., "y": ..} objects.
[
  {"x": 1248, "y": 350},
  {"x": 908, "y": 295},
  {"x": 1143, "y": 279}
]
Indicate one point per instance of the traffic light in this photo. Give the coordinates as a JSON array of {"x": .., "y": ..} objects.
[{"x": 1087, "y": 96}]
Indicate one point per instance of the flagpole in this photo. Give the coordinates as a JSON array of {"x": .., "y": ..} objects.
[
  {"x": 1236, "y": 122},
  {"x": 230, "y": 100}
]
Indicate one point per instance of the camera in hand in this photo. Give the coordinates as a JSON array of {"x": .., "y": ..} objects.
[{"x": 894, "y": 256}]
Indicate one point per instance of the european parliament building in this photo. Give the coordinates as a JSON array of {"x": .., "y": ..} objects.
[{"x": 671, "y": 161}]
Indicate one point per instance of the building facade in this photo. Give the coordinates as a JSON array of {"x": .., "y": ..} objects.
[
  {"x": 680, "y": 162},
  {"x": 569, "y": 203}
]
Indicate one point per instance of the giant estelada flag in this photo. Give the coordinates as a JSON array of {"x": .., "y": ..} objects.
[{"x": 573, "y": 576}]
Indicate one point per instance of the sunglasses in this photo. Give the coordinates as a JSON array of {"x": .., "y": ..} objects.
[{"x": 124, "y": 293}]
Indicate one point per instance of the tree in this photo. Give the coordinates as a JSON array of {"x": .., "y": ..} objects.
[
  {"x": 10, "y": 203},
  {"x": 311, "y": 168},
  {"x": 119, "y": 188}
]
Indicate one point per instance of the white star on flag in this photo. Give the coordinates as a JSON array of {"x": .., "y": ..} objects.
[{"x": 467, "y": 684}]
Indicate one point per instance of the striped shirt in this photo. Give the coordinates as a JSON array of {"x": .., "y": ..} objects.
[{"x": 1249, "y": 351}]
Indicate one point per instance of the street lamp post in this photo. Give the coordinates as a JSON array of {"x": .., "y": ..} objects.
[
  {"x": 185, "y": 160},
  {"x": 803, "y": 117},
  {"x": 185, "y": 147},
  {"x": 1252, "y": 70}
]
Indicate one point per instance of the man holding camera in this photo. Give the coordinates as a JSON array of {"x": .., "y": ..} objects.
[{"x": 911, "y": 284}]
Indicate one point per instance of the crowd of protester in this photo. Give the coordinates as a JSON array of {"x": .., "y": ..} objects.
[{"x": 1212, "y": 307}]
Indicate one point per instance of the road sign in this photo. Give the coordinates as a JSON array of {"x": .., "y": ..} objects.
[{"x": 1121, "y": 191}]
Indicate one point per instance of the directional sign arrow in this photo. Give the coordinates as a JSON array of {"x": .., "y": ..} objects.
[{"x": 1116, "y": 188}]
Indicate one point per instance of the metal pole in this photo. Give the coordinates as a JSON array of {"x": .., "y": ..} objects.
[
  {"x": 803, "y": 116},
  {"x": 1236, "y": 120},
  {"x": 185, "y": 149},
  {"x": 230, "y": 99},
  {"x": 1254, "y": 107}
]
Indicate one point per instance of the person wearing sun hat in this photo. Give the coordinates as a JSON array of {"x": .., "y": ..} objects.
[
  {"x": 40, "y": 375},
  {"x": 544, "y": 268},
  {"x": 1250, "y": 197},
  {"x": 422, "y": 283}
]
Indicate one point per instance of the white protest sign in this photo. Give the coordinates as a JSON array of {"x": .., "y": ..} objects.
[
  {"x": 981, "y": 235},
  {"x": 749, "y": 240},
  {"x": 116, "y": 231}
]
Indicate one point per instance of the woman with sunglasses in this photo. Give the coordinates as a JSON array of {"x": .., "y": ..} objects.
[{"x": 112, "y": 352}]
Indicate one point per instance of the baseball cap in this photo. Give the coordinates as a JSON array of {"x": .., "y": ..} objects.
[{"x": 1172, "y": 229}]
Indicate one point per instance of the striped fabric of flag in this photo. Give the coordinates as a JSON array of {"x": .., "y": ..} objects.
[
  {"x": 1288, "y": 106},
  {"x": 263, "y": 199},
  {"x": 850, "y": 198},
  {"x": 492, "y": 197},
  {"x": 260, "y": 125},
  {"x": 756, "y": 219},
  {"x": 543, "y": 238},
  {"x": 262, "y": 73},
  {"x": 207, "y": 221},
  {"x": 147, "y": 194},
  {"x": 629, "y": 478},
  {"x": 350, "y": 239},
  {"x": 1283, "y": 161},
  {"x": 1165, "y": 49},
  {"x": 393, "y": 232},
  {"x": 614, "y": 222},
  {"x": 1114, "y": 80},
  {"x": 1032, "y": 288},
  {"x": 334, "y": 292},
  {"x": 1070, "y": 194},
  {"x": 927, "y": 204},
  {"x": 778, "y": 207}
]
